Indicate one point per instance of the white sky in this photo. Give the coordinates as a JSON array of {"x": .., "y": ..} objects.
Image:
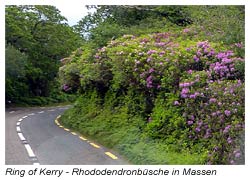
[{"x": 73, "y": 12}]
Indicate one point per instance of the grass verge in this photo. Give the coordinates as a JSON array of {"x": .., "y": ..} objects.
[{"x": 116, "y": 129}]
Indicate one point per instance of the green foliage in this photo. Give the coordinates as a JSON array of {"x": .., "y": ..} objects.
[
  {"x": 166, "y": 88},
  {"x": 166, "y": 119},
  {"x": 111, "y": 22},
  {"x": 164, "y": 94},
  {"x": 16, "y": 63},
  {"x": 39, "y": 32},
  {"x": 217, "y": 23},
  {"x": 220, "y": 23},
  {"x": 115, "y": 126}
]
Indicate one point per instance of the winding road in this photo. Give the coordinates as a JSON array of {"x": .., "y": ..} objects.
[{"x": 34, "y": 136}]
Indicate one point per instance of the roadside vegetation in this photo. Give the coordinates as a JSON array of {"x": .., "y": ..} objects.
[
  {"x": 37, "y": 37},
  {"x": 158, "y": 84},
  {"x": 164, "y": 85}
]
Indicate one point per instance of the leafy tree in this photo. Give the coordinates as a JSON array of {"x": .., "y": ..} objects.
[
  {"x": 110, "y": 22},
  {"x": 16, "y": 63},
  {"x": 220, "y": 23},
  {"x": 45, "y": 37}
]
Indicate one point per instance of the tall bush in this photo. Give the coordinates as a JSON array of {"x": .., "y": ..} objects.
[{"x": 193, "y": 89}]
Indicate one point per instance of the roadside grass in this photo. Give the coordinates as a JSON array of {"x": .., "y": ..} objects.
[{"x": 123, "y": 133}]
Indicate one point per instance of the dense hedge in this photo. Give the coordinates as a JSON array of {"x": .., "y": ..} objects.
[{"x": 174, "y": 91}]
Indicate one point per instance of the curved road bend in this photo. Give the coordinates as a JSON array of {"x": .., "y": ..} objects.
[{"x": 33, "y": 137}]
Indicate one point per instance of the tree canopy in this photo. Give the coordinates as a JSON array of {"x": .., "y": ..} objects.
[{"x": 42, "y": 35}]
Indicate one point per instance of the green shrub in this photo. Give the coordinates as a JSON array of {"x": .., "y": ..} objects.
[{"x": 169, "y": 90}]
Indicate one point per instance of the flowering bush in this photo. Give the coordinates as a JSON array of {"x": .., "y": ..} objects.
[{"x": 194, "y": 90}]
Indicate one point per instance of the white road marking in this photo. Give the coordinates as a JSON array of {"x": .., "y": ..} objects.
[
  {"x": 21, "y": 136},
  {"x": 12, "y": 112},
  {"x": 36, "y": 164},
  {"x": 18, "y": 129},
  {"x": 24, "y": 117},
  {"x": 18, "y": 123},
  {"x": 20, "y": 120},
  {"x": 51, "y": 110},
  {"x": 31, "y": 114},
  {"x": 29, "y": 150},
  {"x": 41, "y": 112},
  {"x": 73, "y": 133}
]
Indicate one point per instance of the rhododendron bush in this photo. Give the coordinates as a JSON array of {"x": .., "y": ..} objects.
[{"x": 192, "y": 89}]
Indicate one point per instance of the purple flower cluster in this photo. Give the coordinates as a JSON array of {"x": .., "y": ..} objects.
[
  {"x": 151, "y": 52},
  {"x": 212, "y": 100},
  {"x": 149, "y": 81},
  {"x": 161, "y": 36},
  {"x": 229, "y": 140},
  {"x": 208, "y": 133},
  {"x": 160, "y": 44},
  {"x": 204, "y": 49},
  {"x": 66, "y": 87},
  {"x": 184, "y": 92},
  {"x": 226, "y": 130},
  {"x": 144, "y": 41},
  {"x": 222, "y": 55},
  {"x": 190, "y": 71},
  {"x": 237, "y": 153},
  {"x": 199, "y": 125},
  {"x": 196, "y": 59},
  {"x": 186, "y": 30},
  {"x": 186, "y": 84},
  {"x": 142, "y": 75},
  {"x": 149, "y": 59},
  {"x": 227, "y": 112},
  {"x": 137, "y": 62},
  {"x": 176, "y": 103},
  {"x": 97, "y": 56},
  {"x": 239, "y": 45},
  {"x": 223, "y": 69},
  {"x": 203, "y": 44},
  {"x": 161, "y": 53},
  {"x": 151, "y": 70},
  {"x": 193, "y": 96}
]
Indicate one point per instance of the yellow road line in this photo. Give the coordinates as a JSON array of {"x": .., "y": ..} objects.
[
  {"x": 82, "y": 138},
  {"x": 66, "y": 129},
  {"x": 111, "y": 155},
  {"x": 94, "y": 145},
  {"x": 73, "y": 133}
]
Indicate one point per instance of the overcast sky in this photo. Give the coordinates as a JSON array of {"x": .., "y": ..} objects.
[{"x": 73, "y": 12}]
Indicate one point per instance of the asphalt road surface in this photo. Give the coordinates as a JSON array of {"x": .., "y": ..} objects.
[{"x": 34, "y": 136}]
